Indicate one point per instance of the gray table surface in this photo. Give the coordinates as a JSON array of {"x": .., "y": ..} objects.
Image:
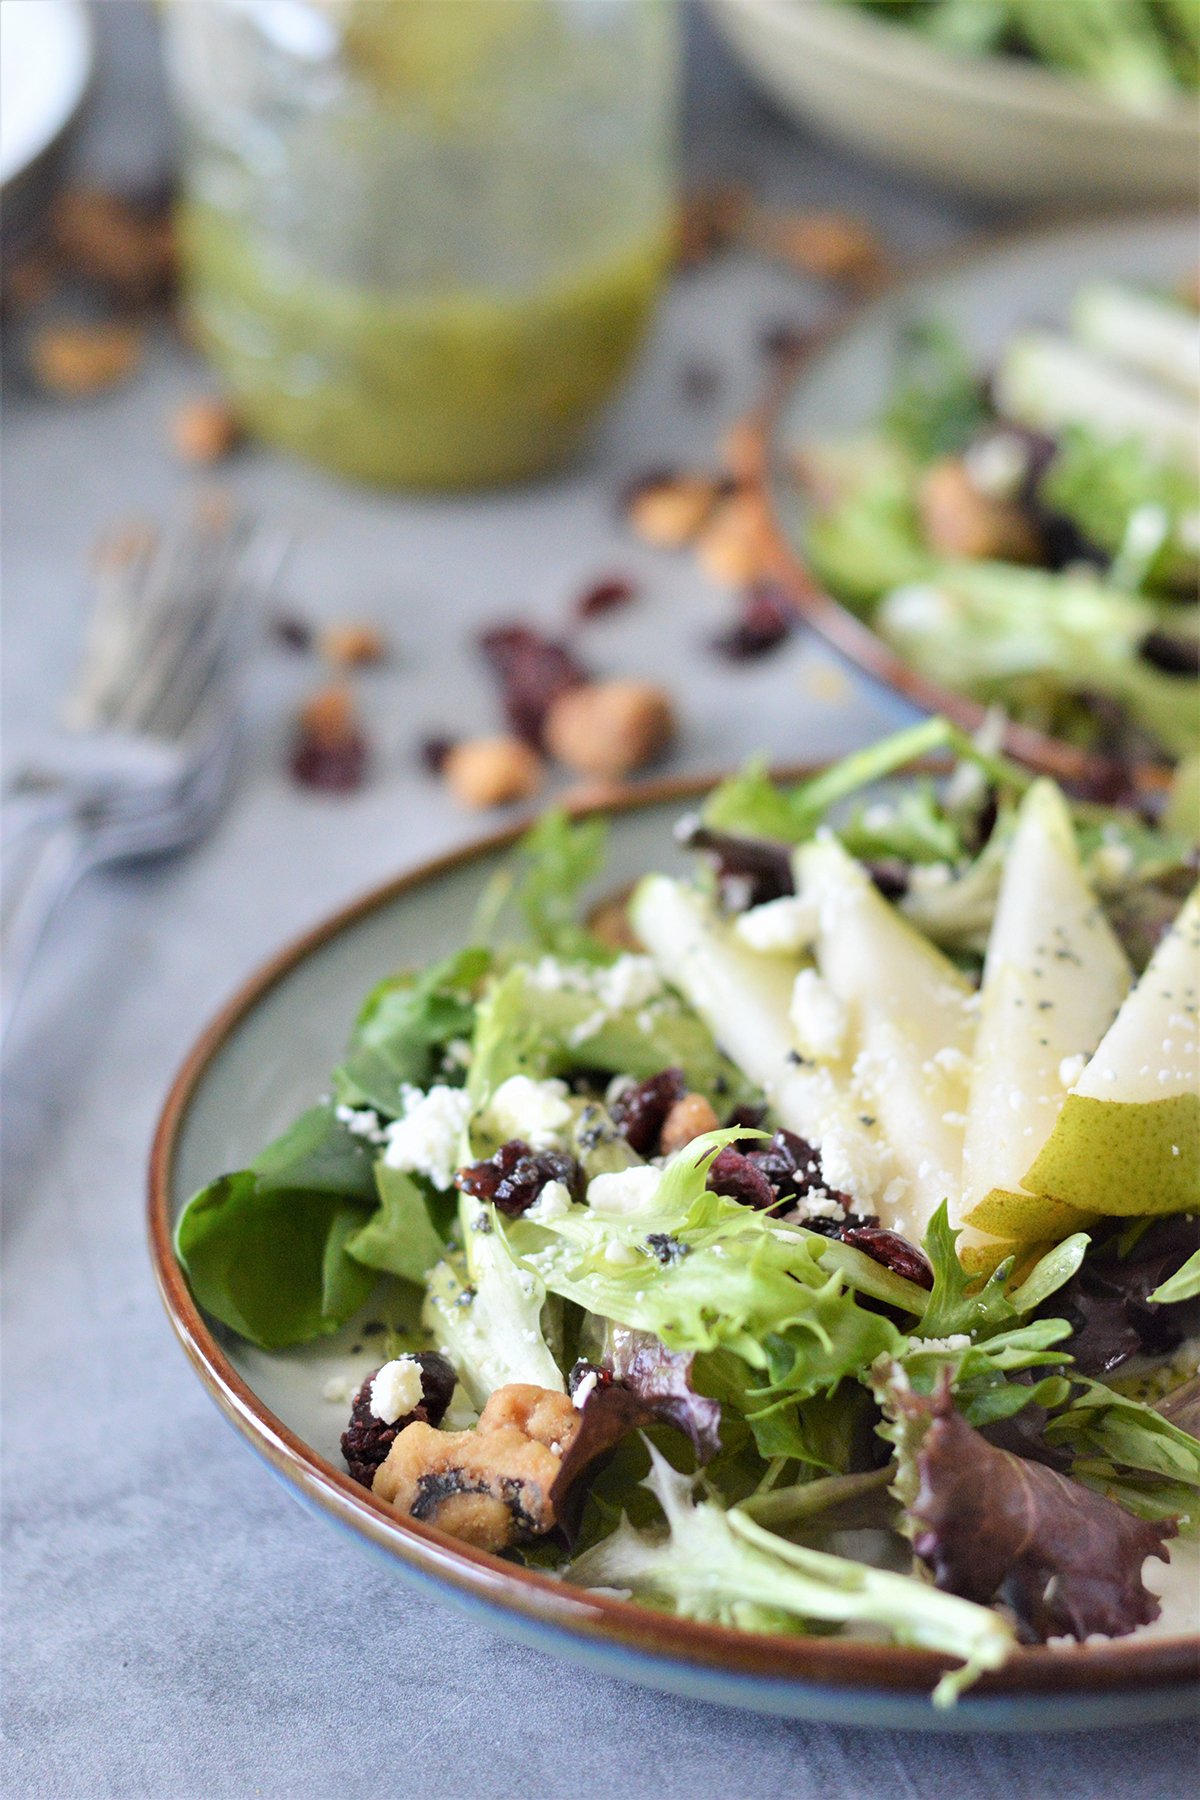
[{"x": 174, "y": 1624}]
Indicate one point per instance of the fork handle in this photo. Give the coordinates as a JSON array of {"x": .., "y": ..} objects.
[{"x": 51, "y": 869}]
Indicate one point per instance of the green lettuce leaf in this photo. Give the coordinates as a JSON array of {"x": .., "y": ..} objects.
[
  {"x": 402, "y": 1032},
  {"x": 726, "y": 1568},
  {"x": 266, "y": 1250},
  {"x": 1130, "y": 1452},
  {"x": 406, "y": 1235},
  {"x": 1099, "y": 484}
]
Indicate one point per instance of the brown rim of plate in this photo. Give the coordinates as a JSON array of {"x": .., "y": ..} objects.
[
  {"x": 847, "y": 1663},
  {"x": 842, "y": 628}
]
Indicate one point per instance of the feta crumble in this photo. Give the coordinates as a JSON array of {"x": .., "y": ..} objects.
[
  {"x": 363, "y": 1122},
  {"x": 819, "y": 1018},
  {"x": 537, "y": 1112},
  {"x": 585, "y": 1390},
  {"x": 554, "y": 1202},
  {"x": 624, "y": 1191},
  {"x": 1070, "y": 1069},
  {"x": 397, "y": 1389},
  {"x": 787, "y": 924},
  {"x": 428, "y": 1139},
  {"x": 958, "y": 1340}
]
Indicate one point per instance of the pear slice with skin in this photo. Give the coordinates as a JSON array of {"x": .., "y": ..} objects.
[
  {"x": 1127, "y": 1141},
  {"x": 745, "y": 997},
  {"x": 1053, "y": 979},
  {"x": 911, "y": 1026}
]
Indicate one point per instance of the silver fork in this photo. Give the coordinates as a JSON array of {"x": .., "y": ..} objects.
[{"x": 143, "y": 765}]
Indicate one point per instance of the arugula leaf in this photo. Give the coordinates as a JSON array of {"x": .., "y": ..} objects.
[
  {"x": 1184, "y": 1284},
  {"x": 724, "y": 1567},
  {"x": 1130, "y": 1452},
  {"x": 266, "y": 1249},
  {"x": 959, "y": 1303},
  {"x": 752, "y": 804},
  {"x": 401, "y": 1237},
  {"x": 404, "y": 1027},
  {"x": 938, "y": 401}
]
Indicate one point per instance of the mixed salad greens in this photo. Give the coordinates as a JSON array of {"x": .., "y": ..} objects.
[
  {"x": 1033, "y": 539},
  {"x": 1142, "y": 53},
  {"x": 809, "y": 1246}
]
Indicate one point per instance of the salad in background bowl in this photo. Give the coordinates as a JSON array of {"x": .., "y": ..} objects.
[{"x": 808, "y": 1246}]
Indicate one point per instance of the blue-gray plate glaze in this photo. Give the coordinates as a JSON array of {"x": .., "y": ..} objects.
[{"x": 264, "y": 1059}]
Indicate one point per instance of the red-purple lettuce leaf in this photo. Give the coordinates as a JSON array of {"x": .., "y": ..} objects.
[{"x": 992, "y": 1526}]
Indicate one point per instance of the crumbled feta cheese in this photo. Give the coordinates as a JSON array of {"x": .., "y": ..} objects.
[
  {"x": 585, "y": 1390},
  {"x": 621, "y": 1256},
  {"x": 847, "y": 1164},
  {"x": 628, "y": 983},
  {"x": 818, "y": 1016},
  {"x": 819, "y": 1205},
  {"x": 1111, "y": 864},
  {"x": 996, "y": 465},
  {"x": 927, "y": 878},
  {"x": 624, "y": 1190},
  {"x": 361, "y": 1123},
  {"x": 951, "y": 1060},
  {"x": 1070, "y": 1069},
  {"x": 458, "y": 1053},
  {"x": 554, "y": 1202},
  {"x": 397, "y": 1389},
  {"x": 340, "y": 1389},
  {"x": 917, "y": 607},
  {"x": 537, "y": 1112},
  {"x": 787, "y": 924},
  {"x": 958, "y": 1340},
  {"x": 428, "y": 1139}
]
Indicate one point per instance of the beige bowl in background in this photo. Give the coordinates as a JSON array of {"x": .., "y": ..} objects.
[{"x": 990, "y": 125}]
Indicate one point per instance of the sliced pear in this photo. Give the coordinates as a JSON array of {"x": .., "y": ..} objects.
[
  {"x": 1054, "y": 976},
  {"x": 911, "y": 1026},
  {"x": 745, "y": 997},
  {"x": 1127, "y": 1140}
]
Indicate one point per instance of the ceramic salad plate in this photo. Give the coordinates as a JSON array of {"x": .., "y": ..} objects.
[
  {"x": 265, "y": 1058},
  {"x": 866, "y": 448}
]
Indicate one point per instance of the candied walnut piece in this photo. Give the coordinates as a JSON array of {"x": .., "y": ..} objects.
[
  {"x": 367, "y": 1439},
  {"x": 514, "y": 1177},
  {"x": 204, "y": 431},
  {"x": 492, "y": 771},
  {"x": 957, "y": 520},
  {"x": 640, "y": 1111},
  {"x": 610, "y": 728},
  {"x": 126, "y": 248},
  {"x": 733, "y": 547},
  {"x": 77, "y": 360},
  {"x": 352, "y": 644},
  {"x": 609, "y": 921},
  {"x": 833, "y": 246},
  {"x": 689, "y": 1118},
  {"x": 669, "y": 509},
  {"x": 708, "y": 220},
  {"x": 490, "y": 1486}
]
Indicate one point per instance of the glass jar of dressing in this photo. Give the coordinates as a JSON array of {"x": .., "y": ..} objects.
[{"x": 422, "y": 238}]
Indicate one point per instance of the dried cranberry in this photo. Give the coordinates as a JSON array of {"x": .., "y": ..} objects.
[
  {"x": 334, "y": 766},
  {"x": 784, "y": 341},
  {"x": 605, "y": 596},
  {"x": 433, "y": 752},
  {"x": 739, "y": 1178},
  {"x": 892, "y": 1250},
  {"x": 513, "y": 1178},
  {"x": 749, "y": 871},
  {"x": 533, "y": 671},
  {"x": 581, "y": 1371},
  {"x": 291, "y": 631},
  {"x": 836, "y": 1228},
  {"x": 890, "y": 875},
  {"x": 367, "y": 1440},
  {"x": 747, "y": 1118},
  {"x": 790, "y": 1164},
  {"x": 640, "y": 1111},
  {"x": 767, "y": 617},
  {"x": 1171, "y": 652}
]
